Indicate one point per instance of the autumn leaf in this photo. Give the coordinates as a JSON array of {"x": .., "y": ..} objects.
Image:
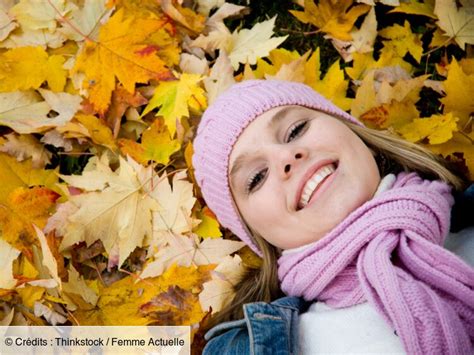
[
  {"x": 77, "y": 285},
  {"x": 174, "y": 97},
  {"x": 415, "y": 7},
  {"x": 187, "y": 251},
  {"x": 459, "y": 145},
  {"x": 97, "y": 130},
  {"x": 402, "y": 40},
  {"x": 28, "y": 67},
  {"x": 221, "y": 77},
  {"x": 7, "y": 23},
  {"x": 120, "y": 302},
  {"x": 332, "y": 17},
  {"x": 457, "y": 23},
  {"x": 22, "y": 174},
  {"x": 121, "y": 52},
  {"x": 174, "y": 307},
  {"x": 26, "y": 112},
  {"x": 82, "y": 22},
  {"x": 219, "y": 291},
  {"x": 156, "y": 145},
  {"x": 209, "y": 226},
  {"x": 20, "y": 209},
  {"x": 173, "y": 217},
  {"x": 26, "y": 146},
  {"x": 459, "y": 89},
  {"x": 119, "y": 214},
  {"x": 48, "y": 260},
  {"x": 247, "y": 45},
  {"x": 7, "y": 255},
  {"x": 437, "y": 129}
]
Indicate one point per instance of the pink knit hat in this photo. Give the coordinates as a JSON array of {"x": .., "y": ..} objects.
[{"x": 221, "y": 125}]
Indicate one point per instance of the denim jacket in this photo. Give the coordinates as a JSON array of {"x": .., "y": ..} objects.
[
  {"x": 267, "y": 328},
  {"x": 271, "y": 328}
]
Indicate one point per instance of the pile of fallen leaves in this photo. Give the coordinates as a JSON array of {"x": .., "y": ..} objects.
[{"x": 101, "y": 222}]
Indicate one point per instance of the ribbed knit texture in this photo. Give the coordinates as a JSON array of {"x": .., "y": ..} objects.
[
  {"x": 220, "y": 127},
  {"x": 389, "y": 252}
]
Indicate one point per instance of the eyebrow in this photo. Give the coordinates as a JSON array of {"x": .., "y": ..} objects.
[{"x": 241, "y": 159}]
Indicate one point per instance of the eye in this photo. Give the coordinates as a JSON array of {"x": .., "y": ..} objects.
[
  {"x": 296, "y": 130},
  {"x": 255, "y": 180}
]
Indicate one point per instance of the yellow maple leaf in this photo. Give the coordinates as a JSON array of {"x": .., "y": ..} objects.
[
  {"x": 332, "y": 17},
  {"x": 249, "y": 44},
  {"x": 209, "y": 226},
  {"x": 30, "y": 294},
  {"x": 122, "y": 52},
  {"x": 119, "y": 214},
  {"x": 21, "y": 174},
  {"x": 26, "y": 146},
  {"x": 364, "y": 62},
  {"x": 7, "y": 254},
  {"x": 333, "y": 86},
  {"x": 173, "y": 307},
  {"x": 156, "y": 145},
  {"x": 415, "y": 7},
  {"x": 437, "y": 129},
  {"x": 98, "y": 131},
  {"x": 459, "y": 88},
  {"x": 22, "y": 208},
  {"x": 458, "y": 23},
  {"x": 119, "y": 303},
  {"x": 459, "y": 144},
  {"x": 184, "y": 16},
  {"x": 26, "y": 112},
  {"x": 174, "y": 97},
  {"x": 28, "y": 67},
  {"x": 402, "y": 40}
]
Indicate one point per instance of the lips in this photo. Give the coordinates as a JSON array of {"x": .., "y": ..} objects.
[{"x": 311, "y": 171}]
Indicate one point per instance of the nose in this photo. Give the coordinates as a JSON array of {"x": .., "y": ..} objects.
[{"x": 289, "y": 161}]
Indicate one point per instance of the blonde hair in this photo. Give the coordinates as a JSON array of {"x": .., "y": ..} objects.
[{"x": 262, "y": 284}]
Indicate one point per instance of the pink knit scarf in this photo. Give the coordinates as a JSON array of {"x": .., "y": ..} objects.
[{"x": 389, "y": 252}]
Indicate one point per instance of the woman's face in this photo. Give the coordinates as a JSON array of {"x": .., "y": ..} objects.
[{"x": 296, "y": 173}]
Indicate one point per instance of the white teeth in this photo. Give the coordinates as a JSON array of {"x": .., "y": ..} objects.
[{"x": 313, "y": 183}]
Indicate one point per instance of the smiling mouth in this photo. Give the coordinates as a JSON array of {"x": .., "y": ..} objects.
[{"x": 314, "y": 184}]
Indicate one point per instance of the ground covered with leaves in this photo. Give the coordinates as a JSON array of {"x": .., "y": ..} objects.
[{"x": 101, "y": 222}]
